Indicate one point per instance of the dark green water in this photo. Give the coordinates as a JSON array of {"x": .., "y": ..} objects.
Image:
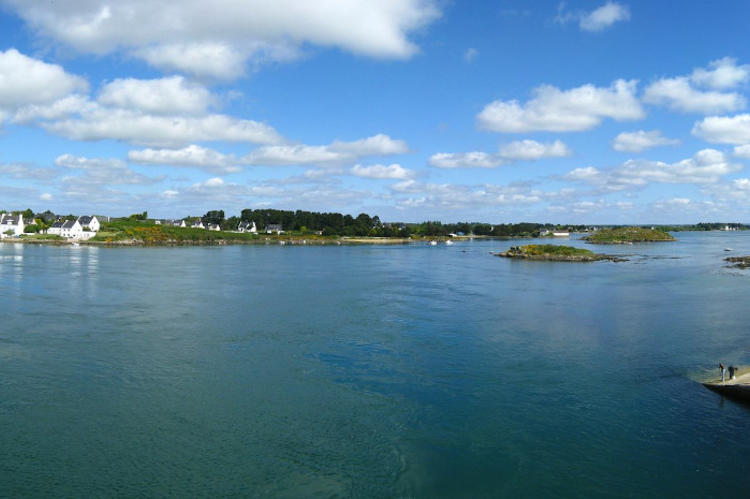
[{"x": 407, "y": 371}]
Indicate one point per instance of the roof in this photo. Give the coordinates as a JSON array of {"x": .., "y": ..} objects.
[
  {"x": 57, "y": 224},
  {"x": 69, "y": 224},
  {"x": 85, "y": 220}
]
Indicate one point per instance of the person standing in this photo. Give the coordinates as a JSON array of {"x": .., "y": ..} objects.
[
  {"x": 723, "y": 370},
  {"x": 732, "y": 370}
]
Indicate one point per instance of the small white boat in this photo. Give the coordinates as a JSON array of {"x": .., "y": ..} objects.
[
  {"x": 433, "y": 243},
  {"x": 727, "y": 249},
  {"x": 449, "y": 243}
]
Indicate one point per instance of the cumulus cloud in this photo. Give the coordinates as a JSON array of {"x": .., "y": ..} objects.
[
  {"x": 723, "y": 73},
  {"x": 605, "y": 16},
  {"x": 679, "y": 95},
  {"x": 641, "y": 140},
  {"x": 524, "y": 150},
  {"x": 27, "y": 172},
  {"x": 555, "y": 110},
  {"x": 474, "y": 159},
  {"x": 724, "y": 129},
  {"x": 393, "y": 171},
  {"x": 598, "y": 19},
  {"x": 231, "y": 30},
  {"x": 705, "y": 167},
  {"x": 172, "y": 95},
  {"x": 192, "y": 155},
  {"x": 682, "y": 93},
  {"x": 26, "y": 81},
  {"x": 101, "y": 172},
  {"x": 742, "y": 151},
  {"x": 136, "y": 127}
]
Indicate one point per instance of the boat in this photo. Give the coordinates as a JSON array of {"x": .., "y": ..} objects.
[
  {"x": 449, "y": 242},
  {"x": 433, "y": 243},
  {"x": 727, "y": 249}
]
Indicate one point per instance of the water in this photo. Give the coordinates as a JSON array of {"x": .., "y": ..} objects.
[{"x": 388, "y": 371}]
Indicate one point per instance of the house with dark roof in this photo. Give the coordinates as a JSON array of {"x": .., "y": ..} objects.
[
  {"x": 12, "y": 225},
  {"x": 246, "y": 226},
  {"x": 271, "y": 228},
  {"x": 89, "y": 223}
]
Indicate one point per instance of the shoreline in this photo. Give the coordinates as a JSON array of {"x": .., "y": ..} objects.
[{"x": 261, "y": 240}]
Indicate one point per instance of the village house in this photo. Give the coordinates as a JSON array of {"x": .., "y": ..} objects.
[
  {"x": 198, "y": 224},
  {"x": 246, "y": 226},
  {"x": 12, "y": 223},
  {"x": 89, "y": 224},
  {"x": 271, "y": 228},
  {"x": 177, "y": 223},
  {"x": 215, "y": 227}
]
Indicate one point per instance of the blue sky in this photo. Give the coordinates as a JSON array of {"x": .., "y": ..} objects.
[{"x": 569, "y": 112}]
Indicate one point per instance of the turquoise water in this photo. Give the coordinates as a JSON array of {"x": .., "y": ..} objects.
[{"x": 404, "y": 371}]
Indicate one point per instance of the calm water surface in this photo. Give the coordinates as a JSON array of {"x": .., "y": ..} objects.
[{"x": 405, "y": 371}]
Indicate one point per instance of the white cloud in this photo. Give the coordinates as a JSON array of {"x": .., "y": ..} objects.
[
  {"x": 471, "y": 54},
  {"x": 233, "y": 30},
  {"x": 172, "y": 95},
  {"x": 525, "y": 150},
  {"x": 604, "y": 17},
  {"x": 45, "y": 196},
  {"x": 724, "y": 73},
  {"x": 66, "y": 106},
  {"x": 211, "y": 59},
  {"x": 742, "y": 151},
  {"x": 192, "y": 155},
  {"x": 27, "y": 172},
  {"x": 377, "y": 145},
  {"x": 531, "y": 150},
  {"x": 146, "y": 129},
  {"x": 598, "y": 19},
  {"x": 26, "y": 81},
  {"x": 679, "y": 95},
  {"x": 474, "y": 159},
  {"x": 555, "y": 110},
  {"x": 393, "y": 171},
  {"x": 641, "y": 140},
  {"x": 705, "y": 167},
  {"x": 101, "y": 172},
  {"x": 724, "y": 129}
]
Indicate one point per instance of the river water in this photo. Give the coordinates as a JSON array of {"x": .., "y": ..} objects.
[{"x": 371, "y": 371}]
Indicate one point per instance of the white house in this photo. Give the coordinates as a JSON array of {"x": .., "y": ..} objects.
[
  {"x": 246, "y": 226},
  {"x": 271, "y": 228},
  {"x": 198, "y": 225},
  {"x": 90, "y": 223},
  {"x": 72, "y": 229},
  {"x": 216, "y": 227},
  {"x": 12, "y": 223},
  {"x": 177, "y": 223}
]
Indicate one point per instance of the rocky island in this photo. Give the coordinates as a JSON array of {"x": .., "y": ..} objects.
[
  {"x": 556, "y": 253},
  {"x": 738, "y": 262},
  {"x": 628, "y": 235}
]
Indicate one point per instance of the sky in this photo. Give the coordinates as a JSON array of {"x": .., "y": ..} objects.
[{"x": 585, "y": 112}]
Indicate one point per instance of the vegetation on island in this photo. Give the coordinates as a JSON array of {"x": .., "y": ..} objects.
[
  {"x": 555, "y": 253},
  {"x": 628, "y": 235}
]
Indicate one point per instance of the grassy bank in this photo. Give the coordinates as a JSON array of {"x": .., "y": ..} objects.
[{"x": 628, "y": 235}]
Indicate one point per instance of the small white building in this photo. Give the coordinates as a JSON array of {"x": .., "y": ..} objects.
[
  {"x": 71, "y": 229},
  {"x": 215, "y": 227},
  {"x": 12, "y": 223},
  {"x": 177, "y": 223},
  {"x": 561, "y": 233},
  {"x": 246, "y": 226},
  {"x": 271, "y": 228},
  {"x": 197, "y": 225},
  {"x": 89, "y": 224}
]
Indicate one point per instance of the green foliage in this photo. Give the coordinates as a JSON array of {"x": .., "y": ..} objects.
[
  {"x": 549, "y": 249},
  {"x": 31, "y": 229},
  {"x": 213, "y": 217},
  {"x": 628, "y": 235},
  {"x": 149, "y": 233},
  {"x": 138, "y": 216}
]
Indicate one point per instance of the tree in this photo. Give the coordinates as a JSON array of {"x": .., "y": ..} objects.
[{"x": 213, "y": 217}]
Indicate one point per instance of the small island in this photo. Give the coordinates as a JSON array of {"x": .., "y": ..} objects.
[
  {"x": 738, "y": 262},
  {"x": 556, "y": 253},
  {"x": 628, "y": 235}
]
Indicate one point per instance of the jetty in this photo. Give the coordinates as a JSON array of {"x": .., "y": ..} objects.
[{"x": 737, "y": 388}]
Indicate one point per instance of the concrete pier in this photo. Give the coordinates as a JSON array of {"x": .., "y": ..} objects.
[{"x": 737, "y": 388}]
